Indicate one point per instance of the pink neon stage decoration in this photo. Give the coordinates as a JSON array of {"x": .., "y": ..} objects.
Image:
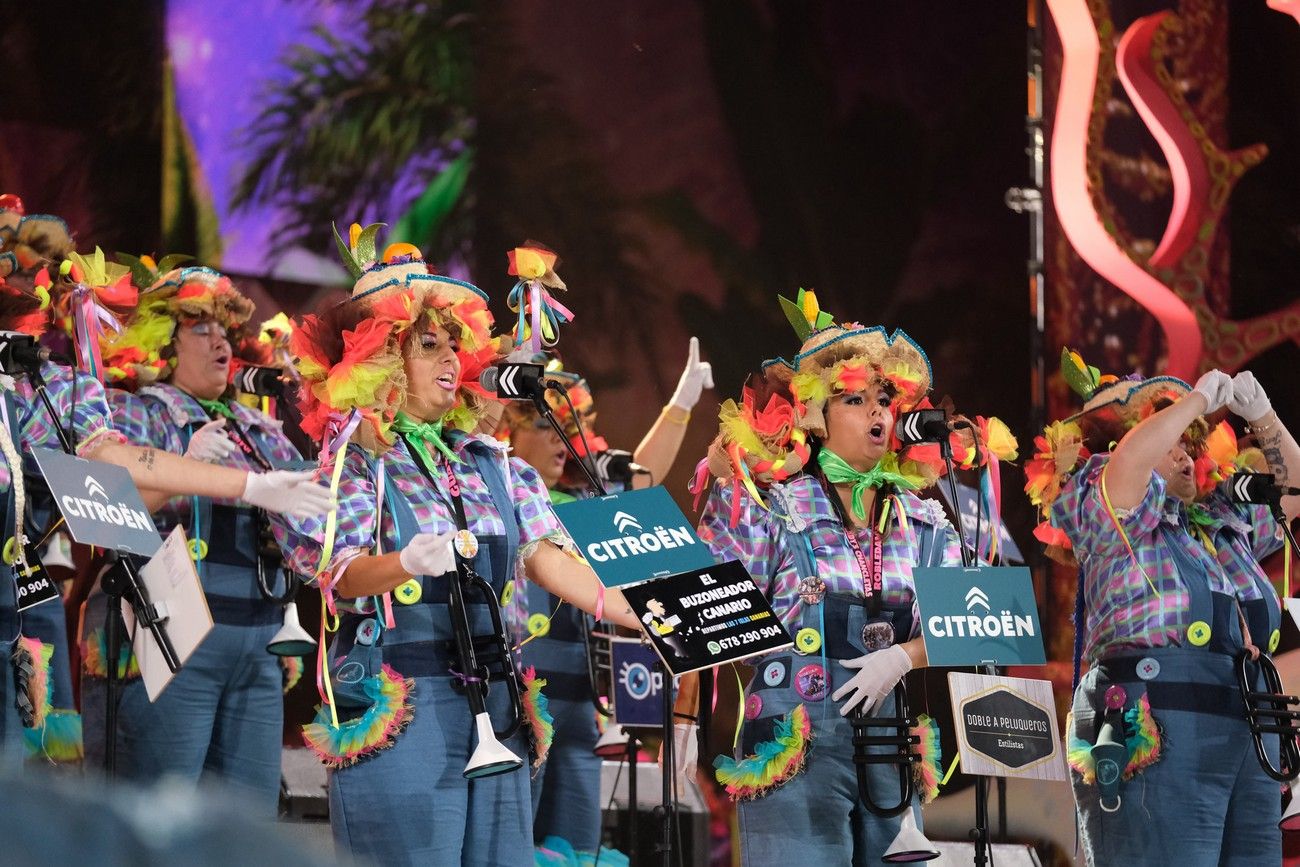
[{"x": 1072, "y": 193}]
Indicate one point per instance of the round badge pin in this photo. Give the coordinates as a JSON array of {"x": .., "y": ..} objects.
[
  {"x": 877, "y": 635},
  {"x": 466, "y": 544},
  {"x": 753, "y": 706},
  {"x": 812, "y": 590},
  {"x": 1115, "y": 697},
  {"x": 1148, "y": 668},
  {"x": 539, "y": 625},
  {"x": 810, "y": 682},
  {"x": 807, "y": 640},
  {"x": 774, "y": 673},
  {"x": 366, "y": 632},
  {"x": 409, "y": 592}
]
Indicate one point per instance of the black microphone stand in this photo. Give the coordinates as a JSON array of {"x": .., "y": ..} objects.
[
  {"x": 666, "y": 810},
  {"x": 970, "y": 559},
  {"x": 120, "y": 581}
]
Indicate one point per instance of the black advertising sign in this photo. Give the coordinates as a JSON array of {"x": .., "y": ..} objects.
[{"x": 706, "y": 617}]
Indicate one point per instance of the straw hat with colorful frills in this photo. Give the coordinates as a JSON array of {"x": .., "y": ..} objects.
[
  {"x": 362, "y": 383},
  {"x": 1113, "y": 405}
]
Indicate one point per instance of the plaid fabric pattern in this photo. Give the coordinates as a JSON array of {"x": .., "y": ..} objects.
[
  {"x": 1122, "y": 612},
  {"x": 302, "y": 540},
  {"x": 762, "y": 542},
  {"x": 163, "y": 417},
  {"x": 1243, "y": 534},
  {"x": 77, "y": 397}
]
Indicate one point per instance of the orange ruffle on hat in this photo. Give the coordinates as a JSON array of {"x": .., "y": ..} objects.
[
  {"x": 835, "y": 359},
  {"x": 395, "y": 288}
]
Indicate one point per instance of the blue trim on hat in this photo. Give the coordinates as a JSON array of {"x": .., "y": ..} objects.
[
  {"x": 890, "y": 340},
  {"x": 412, "y": 277}
]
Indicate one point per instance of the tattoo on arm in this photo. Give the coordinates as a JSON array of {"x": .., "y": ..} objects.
[
  {"x": 146, "y": 458},
  {"x": 1270, "y": 444}
]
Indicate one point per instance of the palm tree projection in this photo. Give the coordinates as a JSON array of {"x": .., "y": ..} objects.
[{"x": 371, "y": 123}]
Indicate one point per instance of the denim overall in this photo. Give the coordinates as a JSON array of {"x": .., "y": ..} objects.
[
  {"x": 817, "y": 817},
  {"x": 1206, "y": 800},
  {"x": 409, "y": 803},
  {"x": 11, "y": 726},
  {"x": 223, "y": 712},
  {"x": 566, "y": 789},
  {"x": 48, "y": 622}
]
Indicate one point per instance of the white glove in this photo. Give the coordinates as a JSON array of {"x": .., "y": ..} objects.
[
  {"x": 697, "y": 376},
  {"x": 878, "y": 673},
  {"x": 428, "y": 554},
  {"x": 1216, "y": 387},
  {"x": 1248, "y": 399},
  {"x": 686, "y": 753},
  {"x": 210, "y": 443},
  {"x": 289, "y": 493}
]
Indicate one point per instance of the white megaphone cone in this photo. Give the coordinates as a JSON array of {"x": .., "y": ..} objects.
[
  {"x": 58, "y": 552},
  {"x": 909, "y": 844},
  {"x": 490, "y": 756},
  {"x": 612, "y": 743},
  {"x": 292, "y": 639},
  {"x": 1290, "y": 820}
]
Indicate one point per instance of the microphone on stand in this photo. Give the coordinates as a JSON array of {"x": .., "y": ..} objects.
[
  {"x": 616, "y": 465},
  {"x": 1258, "y": 488},
  {"x": 515, "y": 380},
  {"x": 923, "y": 426},
  {"x": 20, "y": 352}
]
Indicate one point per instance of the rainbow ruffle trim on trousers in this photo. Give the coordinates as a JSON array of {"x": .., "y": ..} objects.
[
  {"x": 541, "y": 725},
  {"x": 1142, "y": 736},
  {"x": 556, "y": 852},
  {"x": 774, "y": 762},
  {"x": 32, "y": 664},
  {"x": 59, "y": 740},
  {"x": 376, "y": 729},
  {"x": 928, "y": 772},
  {"x": 291, "y": 672},
  {"x": 94, "y": 652}
]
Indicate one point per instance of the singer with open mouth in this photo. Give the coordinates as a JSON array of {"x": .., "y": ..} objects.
[
  {"x": 432, "y": 524},
  {"x": 566, "y": 787},
  {"x": 1174, "y": 614},
  {"x": 820, "y": 504},
  {"x": 223, "y": 714}
]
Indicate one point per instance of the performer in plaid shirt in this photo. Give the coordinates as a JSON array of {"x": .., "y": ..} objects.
[
  {"x": 223, "y": 712},
  {"x": 390, "y": 384},
  {"x": 1170, "y": 594},
  {"x": 831, "y": 538}
]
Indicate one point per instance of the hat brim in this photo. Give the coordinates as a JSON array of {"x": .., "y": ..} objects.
[
  {"x": 880, "y": 348},
  {"x": 1127, "y": 399}
]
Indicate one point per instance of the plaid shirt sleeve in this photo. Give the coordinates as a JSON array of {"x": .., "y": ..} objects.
[
  {"x": 77, "y": 397},
  {"x": 303, "y": 539},
  {"x": 1265, "y": 535},
  {"x": 533, "y": 512},
  {"x": 749, "y": 541},
  {"x": 1081, "y": 512}
]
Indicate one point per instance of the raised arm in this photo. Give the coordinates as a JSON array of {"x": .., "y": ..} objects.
[
  {"x": 659, "y": 447},
  {"x": 1280, "y": 449},
  {"x": 1128, "y": 473}
]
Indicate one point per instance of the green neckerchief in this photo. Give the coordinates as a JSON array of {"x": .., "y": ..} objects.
[
  {"x": 217, "y": 407},
  {"x": 559, "y": 498},
  {"x": 419, "y": 434},
  {"x": 886, "y": 471},
  {"x": 1197, "y": 514}
]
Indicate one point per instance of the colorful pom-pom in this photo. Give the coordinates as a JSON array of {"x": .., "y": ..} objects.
[{"x": 773, "y": 763}]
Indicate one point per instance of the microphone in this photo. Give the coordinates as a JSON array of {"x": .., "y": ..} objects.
[
  {"x": 260, "y": 381},
  {"x": 923, "y": 426},
  {"x": 20, "y": 352},
  {"x": 515, "y": 380},
  {"x": 616, "y": 465},
  {"x": 1258, "y": 488}
]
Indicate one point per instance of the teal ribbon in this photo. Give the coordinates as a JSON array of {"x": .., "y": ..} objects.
[
  {"x": 885, "y": 472},
  {"x": 420, "y": 434}
]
